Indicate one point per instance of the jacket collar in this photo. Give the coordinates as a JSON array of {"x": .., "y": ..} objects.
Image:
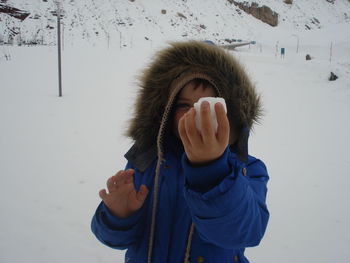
[{"x": 141, "y": 158}]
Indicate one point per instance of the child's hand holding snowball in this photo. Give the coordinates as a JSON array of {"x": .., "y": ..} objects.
[{"x": 207, "y": 144}]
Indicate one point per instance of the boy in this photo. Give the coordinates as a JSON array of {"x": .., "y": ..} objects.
[{"x": 188, "y": 195}]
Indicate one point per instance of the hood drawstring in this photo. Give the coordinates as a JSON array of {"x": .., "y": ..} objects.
[
  {"x": 156, "y": 179},
  {"x": 189, "y": 244},
  {"x": 176, "y": 86}
]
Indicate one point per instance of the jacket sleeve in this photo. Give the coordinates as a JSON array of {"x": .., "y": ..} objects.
[
  {"x": 118, "y": 233},
  {"x": 228, "y": 205}
]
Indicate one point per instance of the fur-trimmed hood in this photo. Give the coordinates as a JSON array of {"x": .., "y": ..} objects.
[
  {"x": 179, "y": 63},
  {"x": 160, "y": 83}
]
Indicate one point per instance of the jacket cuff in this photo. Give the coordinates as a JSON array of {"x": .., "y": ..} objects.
[
  {"x": 204, "y": 178},
  {"x": 115, "y": 223}
]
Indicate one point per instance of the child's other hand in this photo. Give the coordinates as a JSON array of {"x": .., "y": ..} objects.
[
  {"x": 122, "y": 199},
  {"x": 205, "y": 146}
]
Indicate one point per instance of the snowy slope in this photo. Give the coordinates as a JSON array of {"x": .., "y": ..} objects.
[{"x": 127, "y": 23}]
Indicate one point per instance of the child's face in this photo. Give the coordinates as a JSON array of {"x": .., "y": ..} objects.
[{"x": 187, "y": 97}]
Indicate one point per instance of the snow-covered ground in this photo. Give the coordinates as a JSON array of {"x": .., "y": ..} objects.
[{"x": 56, "y": 153}]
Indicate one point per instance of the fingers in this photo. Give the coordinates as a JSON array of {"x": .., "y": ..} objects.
[
  {"x": 223, "y": 131},
  {"x": 103, "y": 194},
  {"x": 128, "y": 176},
  {"x": 182, "y": 132},
  {"x": 142, "y": 193},
  {"x": 191, "y": 129},
  {"x": 138, "y": 198},
  {"x": 207, "y": 128},
  {"x": 111, "y": 183},
  {"x": 121, "y": 177}
]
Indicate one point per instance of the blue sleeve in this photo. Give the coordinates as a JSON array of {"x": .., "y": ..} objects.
[
  {"x": 227, "y": 205},
  {"x": 118, "y": 233}
]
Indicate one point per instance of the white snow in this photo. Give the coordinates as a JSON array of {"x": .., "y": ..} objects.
[
  {"x": 212, "y": 101},
  {"x": 56, "y": 153}
]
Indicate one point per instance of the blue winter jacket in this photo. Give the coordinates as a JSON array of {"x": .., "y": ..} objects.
[{"x": 225, "y": 200}]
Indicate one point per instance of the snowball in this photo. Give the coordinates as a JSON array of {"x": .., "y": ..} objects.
[{"x": 212, "y": 101}]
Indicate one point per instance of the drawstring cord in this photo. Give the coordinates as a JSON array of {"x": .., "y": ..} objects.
[
  {"x": 156, "y": 179},
  {"x": 176, "y": 86},
  {"x": 154, "y": 210},
  {"x": 189, "y": 244}
]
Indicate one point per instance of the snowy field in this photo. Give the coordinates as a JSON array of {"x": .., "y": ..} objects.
[{"x": 56, "y": 153}]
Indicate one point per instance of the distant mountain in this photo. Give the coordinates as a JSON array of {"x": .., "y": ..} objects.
[{"x": 124, "y": 22}]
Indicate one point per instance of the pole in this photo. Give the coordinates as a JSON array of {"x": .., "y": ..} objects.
[
  {"x": 297, "y": 41},
  {"x": 108, "y": 40},
  {"x": 120, "y": 40},
  {"x": 298, "y": 45},
  {"x": 59, "y": 49},
  {"x": 276, "y": 52},
  {"x": 330, "y": 53},
  {"x": 62, "y": 36}
]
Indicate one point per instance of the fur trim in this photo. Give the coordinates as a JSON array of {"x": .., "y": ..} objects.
[{"x": 242, "y": 101}]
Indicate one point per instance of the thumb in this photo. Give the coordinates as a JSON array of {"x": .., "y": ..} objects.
[
  {"x": 142, "y": 194},
  {"x": 103, "y": 194},
  {"x": 138, "y": 198}
]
